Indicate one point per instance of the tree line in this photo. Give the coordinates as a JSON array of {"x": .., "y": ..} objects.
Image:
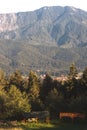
[{"x": 19, "y": 94}]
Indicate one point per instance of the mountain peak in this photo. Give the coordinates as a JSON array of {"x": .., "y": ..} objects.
[
  {"x": 62, "y": 26},
  {"x": 50, "y": 38}
]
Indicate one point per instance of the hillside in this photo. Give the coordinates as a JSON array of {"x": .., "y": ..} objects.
[{"x": 47, "y": 39}]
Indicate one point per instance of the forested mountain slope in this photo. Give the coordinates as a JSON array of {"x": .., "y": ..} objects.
[{"x": 47, "y": 39}]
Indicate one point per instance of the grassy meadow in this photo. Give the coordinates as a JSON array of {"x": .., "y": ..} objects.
[{"x": 55, "y": 125}]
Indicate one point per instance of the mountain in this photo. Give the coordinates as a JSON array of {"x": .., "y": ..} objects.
[
  {"x": 62, "y": 26},
  {"x": 50, "y": 38}
]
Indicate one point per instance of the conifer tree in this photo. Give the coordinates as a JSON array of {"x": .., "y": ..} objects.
[
  {"x": 33, "y": 86},
  {"x": 19, "y": 102}
]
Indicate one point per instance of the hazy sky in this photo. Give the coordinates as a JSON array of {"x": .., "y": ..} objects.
[{"x": 7, "y": 6}]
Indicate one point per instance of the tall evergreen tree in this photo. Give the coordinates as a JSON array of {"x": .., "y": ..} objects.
[
  {"x": 3, "y": 79},
  {"x": 71, "y": 83},
  {"x": 33, "y": 91},
  {"x": 83, "y": 82},
  {"x": 47, "y": 86},
  {"x": 73, "y": 71},
  {"x": 4, "y": 104},
  {"x": 17, "y": 80},
  {"x": 19, "y": 102},
  {"x": 33, "y": 86}
]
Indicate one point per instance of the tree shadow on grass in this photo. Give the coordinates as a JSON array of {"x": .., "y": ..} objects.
[{"x": 63, "y": 126}]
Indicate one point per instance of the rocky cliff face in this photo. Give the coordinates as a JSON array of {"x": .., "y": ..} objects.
[{"x": 8, "y": 22}]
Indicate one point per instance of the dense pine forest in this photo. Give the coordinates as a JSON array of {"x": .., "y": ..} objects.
[{"x": 20, "y": 94}]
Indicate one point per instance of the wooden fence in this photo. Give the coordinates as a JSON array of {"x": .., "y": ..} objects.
[{"x": 72, "y": 115}]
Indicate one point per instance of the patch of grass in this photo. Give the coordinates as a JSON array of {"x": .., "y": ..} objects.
[
  {"x": 37, "y": 126},
  {"x": 53, "y": 125},
  {"x": 16, "y": 128}
]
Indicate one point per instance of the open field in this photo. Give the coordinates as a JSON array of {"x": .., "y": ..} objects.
[{"x": 51, "y": 126}]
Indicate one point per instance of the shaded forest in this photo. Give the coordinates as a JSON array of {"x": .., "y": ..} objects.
[{"x": 20, "y": 94}]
